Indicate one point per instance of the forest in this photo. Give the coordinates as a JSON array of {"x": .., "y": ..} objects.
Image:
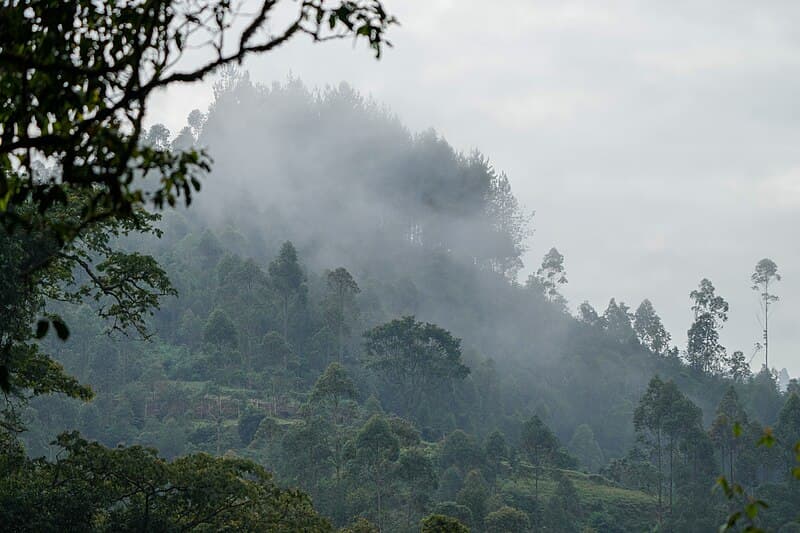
[{"x": 337, "y": 336}]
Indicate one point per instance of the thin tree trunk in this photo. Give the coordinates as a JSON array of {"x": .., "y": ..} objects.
[{"x": 660, "y": 475}]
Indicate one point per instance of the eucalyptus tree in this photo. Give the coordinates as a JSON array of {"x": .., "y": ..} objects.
[
  {"x": 540, "y": 444},
  {"x": 766, "y": 273},
  {"x": 617, "y": 321},
  {"x": 341, "y": 308},
  {"x": 288, "y": 280},
  {"x": 725, "y": 430},
  {"x": 376, "y": 450},
  {"x": 704, "y": 351},
  {"x": 550, "y": 275},
  {"x": 649, "y": 328}
]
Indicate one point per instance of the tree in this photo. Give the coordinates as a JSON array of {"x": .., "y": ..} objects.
[
  {"x": 342, "y": 290},
  {"x": 124, "y": 289},
  {"x": 473, "y": 495},
  {"x": 588, "y": 315},
  {"x": 437, "y": 523},
  {"x": 288, "y": 280},
  {"x": 704, "y": 352},
  {"x": 332, "y": 389},
  {"x": 563, "y": 509},
  {"x": 648, "y": 327},
  {"x": 495, "y": 451},
  {"x": 418, "y": 358},
  {"x": 540, "y": 445},
  {"x": 787, "y": 429},
  {"x": 766, "y": 272},
  {"x": 725, "y": 428},
  {"x": 738, "y": 367},
  {"x": 648, "y": 420},
  {"x": 220, "y": 331},
  {"x": 550, "y": 275},
  {"x": 461, "y": 450},
  {"x": 376, "y": 450},
  {"x": 416, "y": 473},
  {"x": 584, "y": 446},
  {"x": 617, "y": 321},
  {"x": 664, "y": 421},
  {"x": 507, "y": 519}
]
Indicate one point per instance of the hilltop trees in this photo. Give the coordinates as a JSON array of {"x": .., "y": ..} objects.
[
  {"x": 648, "y": 327},
  {"x": 704, "y": 351},
  {"x": 617, "y": 321},
  {"x": 550, "y": 275}
]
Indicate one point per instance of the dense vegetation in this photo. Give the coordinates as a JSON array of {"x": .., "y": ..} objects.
[{"x": 349, "y": 317}]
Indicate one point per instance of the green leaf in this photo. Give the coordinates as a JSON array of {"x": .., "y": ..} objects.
[
  {"x": 42, "y": 327},
  {"x": 61, "y": 328}
]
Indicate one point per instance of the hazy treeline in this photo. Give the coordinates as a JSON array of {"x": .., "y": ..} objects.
[{"x": 350, "y": 316}]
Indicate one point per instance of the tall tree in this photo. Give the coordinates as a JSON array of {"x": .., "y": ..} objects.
[
  {"x": 649, "y": 329},
  {"x": 787, "y": 429},
  {"x": 288, "y": 280},
  {"x": 617, "y": 321},
  {"x": 550, "y": 275},
  {"x": 648, "y": 420},
  {"x": 219, "y": 330},
  {"x": 725, "y": 428},
  {"x": 704, "y": 351},
  {"x": 539, "y": 444},
  {"x": 418, "y": 476},
  {"x": 376, "y": 450},
  {"x": 417, "y": 357},
  {"x": 766, "y": 273},
  {"x": 588, "y": 315},
  {"x": 332, "y": 391},
  {"x": 738, "y": 367},
  {"x": 341, "y": 308},
  {"x": 665, "y": 421},
  {"x": 473, "y": 495}
]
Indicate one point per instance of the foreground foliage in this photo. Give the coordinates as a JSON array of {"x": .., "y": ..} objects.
[{"x": 93, "y": 488}]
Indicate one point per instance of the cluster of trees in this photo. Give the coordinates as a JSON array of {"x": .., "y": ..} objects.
[
  {"x": 77, "y": 78},
  {"x": 704, "y": 352},
  {"x": 676, "y": 455}
]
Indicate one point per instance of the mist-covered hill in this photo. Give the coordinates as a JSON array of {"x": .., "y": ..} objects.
[{"x": 325, "y": 218}]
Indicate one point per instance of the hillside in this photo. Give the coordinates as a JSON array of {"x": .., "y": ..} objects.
[{"x": 325, "y": 219}]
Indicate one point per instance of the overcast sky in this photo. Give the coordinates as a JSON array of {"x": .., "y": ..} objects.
[{"x": 656, "y": 141}]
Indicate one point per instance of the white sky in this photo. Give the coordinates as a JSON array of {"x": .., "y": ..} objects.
[{"x": 656, "y": 141}]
